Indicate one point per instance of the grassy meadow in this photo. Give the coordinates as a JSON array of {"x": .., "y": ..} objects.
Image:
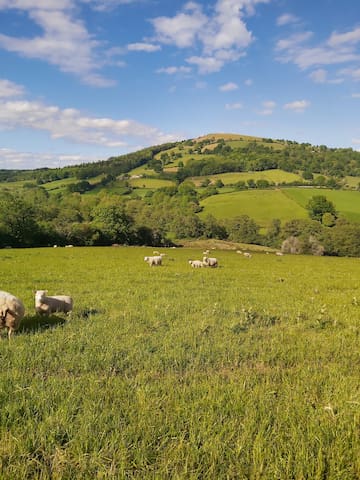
[
  {"x": 261, "y": 205},
  {"x": 273, "y": 176},
  {"x": 248, "y": 371}
]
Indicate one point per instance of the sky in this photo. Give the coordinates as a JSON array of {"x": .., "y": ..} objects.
[{"x": 84, "y": 80}]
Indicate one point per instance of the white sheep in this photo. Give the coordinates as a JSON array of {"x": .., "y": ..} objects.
[
  {"x": 154, "y": 261},
  {"x": 196, "y": 263},
  {"x": 12, "y": 311},
  {"x": 247, "y": 255},
  {"x": 210, "y": 261},
  {"x": 45, "y": 305},
  {"x": 279, "y": 254}
]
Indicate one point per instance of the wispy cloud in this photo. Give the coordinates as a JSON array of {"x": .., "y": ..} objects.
[
  {"x": 12, "y": 159},
  {"x": 337, "y": 49},
  {"x": 143, "y": 47},
  {"x": 268, "y": 108},
  {"x": 72, "y": 125},
  {"x": 234, "y": 106},
  {"x": 9, "y": 89},
  {"x": 228, "y": 87},
  {"x": 286, "y": 19},
  {"x": 297, "y": 106},
  {"x": 173, "y": 70}
]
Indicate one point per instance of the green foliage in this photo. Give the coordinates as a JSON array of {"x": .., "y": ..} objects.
[
  {"x": 318, "y": 206},
  {"x": 242, "y": 229}
]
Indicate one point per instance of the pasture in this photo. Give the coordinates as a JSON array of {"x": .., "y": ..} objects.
[
  {"x": 273, "y": 176},
  {"x": 248, "y": 371},
  {"x": 261, "y": 205}
]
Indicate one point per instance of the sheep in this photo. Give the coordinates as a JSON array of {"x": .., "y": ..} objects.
[
  {"x": 247, "y": 255},
  {"x": 210, "y": 261},
  {"x": 206, "y": 252},
  {"x": 279, "y": 254},
  {"x": 12, "y": 311},
  {"x": 196, "y": 263},
  {"x": 45, "y": 305},
  {"x": 154, "y": 261}
]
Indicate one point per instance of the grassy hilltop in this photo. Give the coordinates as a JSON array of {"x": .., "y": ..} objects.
[{"x": 172, "y": 372}]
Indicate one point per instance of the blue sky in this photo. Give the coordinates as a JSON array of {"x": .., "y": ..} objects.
[{"x": 83, "y": 80}]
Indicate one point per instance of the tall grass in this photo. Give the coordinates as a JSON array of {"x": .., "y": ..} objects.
[{"x": 248, "y": 371}]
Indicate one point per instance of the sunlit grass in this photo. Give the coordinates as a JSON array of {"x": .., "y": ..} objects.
[{"x": 247, "y": 371}]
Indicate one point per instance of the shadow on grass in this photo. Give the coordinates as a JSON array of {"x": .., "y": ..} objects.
[
  {"x": 37, "y": 322},
  {"x": 34, "y": 323}
]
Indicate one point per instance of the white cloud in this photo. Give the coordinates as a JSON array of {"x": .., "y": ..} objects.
[
  {"x": 355, "y": 141},
  {"x": 351, "y": 37},
  {"x": 355, "y": 95},
  {"x": 12, "y": 159},
  {"x": 338, "y": 49},
  {"x": 268, "y": 109},
  {"x": 228, "y": 87},
  {"x": 62, "y": 34},
  {"x": 248, "y": 82},
  {"x": 143, "y": 47},
  {"x": 173, "y": 70},
  {"x": 182, "y": 29},
  {"x": 10, "y": 90},
  {"x": 71, "y": 124},
  {"x": 219, "y": 38},
  {"x": 297, "y": 106},
  {"x": 319, "y": 76},
  {"x": 286, "y": 18},
  {"x": 353, "y": 73},
  {"x": 233, "y": 106}
]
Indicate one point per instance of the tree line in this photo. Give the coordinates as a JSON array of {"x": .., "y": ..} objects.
[{"x": 32, "y": 217}]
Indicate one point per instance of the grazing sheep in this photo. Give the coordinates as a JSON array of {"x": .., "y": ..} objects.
[
  {"x": 12, "y": 311},
  {"x": 279, "y": 254},
  {"x": 247, "y": 255},
  {"x": 155, "y": 252},
  {"x": 196, "y": 263},
  {"x": 210, "y": 261},
  {"x": 154, "y": 261},
  {"x": 239, "y": 251},
  {"x": 45, "y": 305}
]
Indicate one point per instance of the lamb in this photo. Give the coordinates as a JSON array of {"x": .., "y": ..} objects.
[
  {"x": 196, "y": 263},
  {"x": 210, "y": 261},
  {"x": 45, "y": 305},
  {"x": 12, "y": 311},
  {"x": 154, "y": 261}
]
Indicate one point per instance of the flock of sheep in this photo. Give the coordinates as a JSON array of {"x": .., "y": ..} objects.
[
  {"x": 12, "y": 309},
  {"x": 156, "y": 260}
]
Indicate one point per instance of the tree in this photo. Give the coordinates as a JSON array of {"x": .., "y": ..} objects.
[
  {"x": 114, "y": 223},
  {"x": 318, "y": 206},
  {"x": 18, "y": 221},
  {"x": 243, "y": 229}
]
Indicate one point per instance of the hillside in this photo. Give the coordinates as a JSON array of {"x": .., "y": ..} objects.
[{"x": 191, "y": 189}]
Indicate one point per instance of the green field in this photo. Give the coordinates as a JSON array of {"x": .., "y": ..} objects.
[
  {"x": 284, "y": 204},
  {"x": 261, "y": 205},
  {"x": 274, "y": 176},
  {"x": 150, "y": 183},
  {"x": 346, "y": 202},
  {"x": 248, "y": 371}
]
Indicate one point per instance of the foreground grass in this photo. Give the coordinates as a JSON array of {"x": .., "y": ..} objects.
[{"x": 248, "y": 371}]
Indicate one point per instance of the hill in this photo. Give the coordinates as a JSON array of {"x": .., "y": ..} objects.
[{"x": 225, "y": 186}]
